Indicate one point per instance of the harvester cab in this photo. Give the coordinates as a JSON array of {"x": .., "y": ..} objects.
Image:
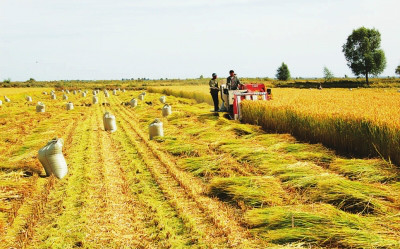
[{"x": 231, "y": 98}]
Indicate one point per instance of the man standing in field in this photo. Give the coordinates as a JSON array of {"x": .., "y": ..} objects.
[
  {"x": 233, "y": 81},
  {"x": 214, "y": 89}
]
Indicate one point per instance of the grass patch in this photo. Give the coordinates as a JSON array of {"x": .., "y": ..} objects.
[
  {"x": 315, "y": 183},
  {"x": 177, "y": 147},
  {"x": 200, "y": 166},
  {"x": 242, "y": 130},
  {"x": 308, "y": 152},
  {"x": 350, "y": 196},
  {"x": 208, "y": 117},
  {"x": 318, "y": 224},
  {"x": 253, "y": 191},
  {"x": 177, "y": 116},
  {"x": 372, "y": 170}
]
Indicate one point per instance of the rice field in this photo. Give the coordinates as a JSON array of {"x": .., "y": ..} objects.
[
  {"x": 209, "y": 182},
  {"x": 19, "y": 91},
  {"x": 357, "y": 122}
]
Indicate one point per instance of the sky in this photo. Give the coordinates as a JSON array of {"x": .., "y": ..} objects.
[{"x": 114, "y": 39}]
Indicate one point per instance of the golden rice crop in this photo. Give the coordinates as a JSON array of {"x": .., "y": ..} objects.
[
  {"x": 376, "y": 105},
  {"x": 363, "y": 122},
  {"x": 199, "y": 93},
  {"x": 14, "y": 91}
]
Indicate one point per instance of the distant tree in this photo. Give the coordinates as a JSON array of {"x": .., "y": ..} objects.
[
  {"x": 283, "y": 72},
  {"x": 201, "y": 77},
  {"x": 328, "y": 75},
  {"x": 31, "y": 80},
  {"x": 398, "y": 70},
  {"x": 363, "y": 53},
  {"x": 7, "y": 80}
]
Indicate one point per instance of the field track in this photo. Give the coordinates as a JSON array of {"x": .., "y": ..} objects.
[{"x": 125, "y": 191}]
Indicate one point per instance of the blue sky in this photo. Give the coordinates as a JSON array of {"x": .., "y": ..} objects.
[{"x": 99, "y": 39}]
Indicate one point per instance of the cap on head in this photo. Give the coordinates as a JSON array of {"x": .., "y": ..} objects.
[
  {"x": 214, "y": 75},
  {"x": 231, "y": 71}
]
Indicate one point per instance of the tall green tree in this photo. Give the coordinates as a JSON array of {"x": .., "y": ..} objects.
[
  {"x": 363, "y": 53},
  {"x": 283, "y": 72},
  {"x": 328, "y": 75},
  {"x": 397, "y": 71}
]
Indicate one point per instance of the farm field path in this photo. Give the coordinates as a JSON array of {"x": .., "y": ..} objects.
[{"x": 111, "y": 210}]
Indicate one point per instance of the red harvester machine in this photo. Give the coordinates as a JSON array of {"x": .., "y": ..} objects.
[{"x": 232, "y": 98}]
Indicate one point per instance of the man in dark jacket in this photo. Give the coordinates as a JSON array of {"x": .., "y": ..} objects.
[
  {"x": 233, "y": 81},
  {"x": 214, "y": 89}
]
